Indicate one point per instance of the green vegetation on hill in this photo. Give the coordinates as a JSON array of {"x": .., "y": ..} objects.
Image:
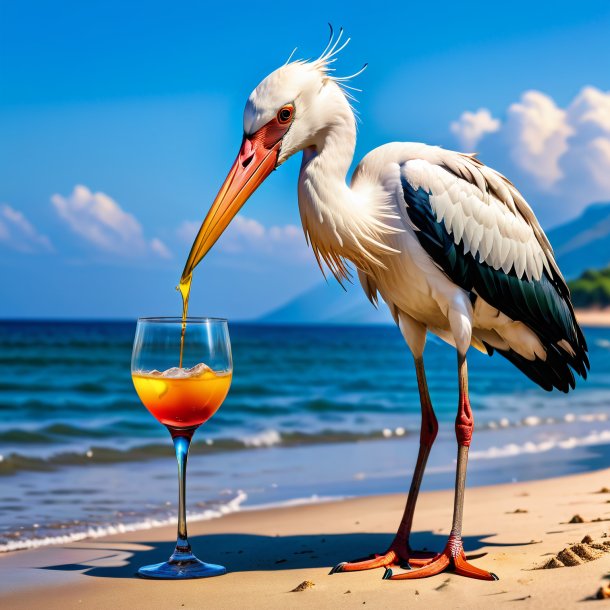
[{"x": 591, "y": 289}]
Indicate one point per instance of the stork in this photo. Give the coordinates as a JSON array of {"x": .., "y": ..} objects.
[{"x": 449, "y": 244}]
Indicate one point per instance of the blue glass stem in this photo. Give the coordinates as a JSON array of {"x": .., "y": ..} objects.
[
  {"x": 181, "y": 444},
  {"x": 182, "y": 563}
]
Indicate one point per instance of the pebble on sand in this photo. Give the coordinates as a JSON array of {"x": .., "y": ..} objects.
[
  {"x": 306, "y": 584},
  {"x": 576, "y": 519}
]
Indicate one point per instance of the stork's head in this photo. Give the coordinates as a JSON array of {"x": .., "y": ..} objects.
[{"x": 285, "y": 114}]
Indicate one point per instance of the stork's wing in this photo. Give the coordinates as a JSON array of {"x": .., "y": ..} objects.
[{"x": 480, "y": 231}]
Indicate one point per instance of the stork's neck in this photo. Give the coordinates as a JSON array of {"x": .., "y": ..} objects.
[
  {"x": 332, "y": 154},
  {"x": 341, "y": 222},
  {"x": 324, "y": 196}
]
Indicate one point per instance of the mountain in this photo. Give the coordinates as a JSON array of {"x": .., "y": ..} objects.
[
  {"x": 580, "y": 244},
  {"x": 583, "y": 243},
  {"x": 328, "y": 303}
]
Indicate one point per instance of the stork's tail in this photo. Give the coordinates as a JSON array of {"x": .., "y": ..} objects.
[{"x": 557, "y": 370}]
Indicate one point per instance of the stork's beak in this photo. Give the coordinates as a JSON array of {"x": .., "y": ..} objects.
[{"x": 257, "y": 158}]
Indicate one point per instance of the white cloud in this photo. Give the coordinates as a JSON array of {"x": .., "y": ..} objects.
[
  {"x": 559, "y": 156},
  {"x": 157, "y": 246},
  {"x": 18, "y": 233},
  {"x": 248, "y": 236},
  {"x": 472, "y": 126},
  {"x": 101, "y": 221},
  {"x": 538, "y": 131},
  {"x": 591, "y": 110},
  {"x": 588, "y": 158}
]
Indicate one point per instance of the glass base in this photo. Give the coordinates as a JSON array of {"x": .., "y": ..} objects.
[{"x": 187, "y": 567}]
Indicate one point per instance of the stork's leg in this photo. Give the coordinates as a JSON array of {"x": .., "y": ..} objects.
[
  {"x": 453, "y": 554},
  {"x": 400, "y": 552}
]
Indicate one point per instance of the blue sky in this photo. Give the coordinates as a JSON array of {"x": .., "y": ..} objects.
[{"x": 141, "y": 103}]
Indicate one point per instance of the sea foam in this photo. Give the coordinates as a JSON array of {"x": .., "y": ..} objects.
[
  {"x": 601, "y": 437},
  {"x": 100, "y": 531}
]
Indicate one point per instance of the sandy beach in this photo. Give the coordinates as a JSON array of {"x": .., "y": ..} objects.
[
  {"x": 509, "y": 529},
  {"x": 594, "y": 318}
]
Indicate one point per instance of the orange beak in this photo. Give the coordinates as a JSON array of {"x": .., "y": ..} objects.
[{"x": 257, "y": 158}]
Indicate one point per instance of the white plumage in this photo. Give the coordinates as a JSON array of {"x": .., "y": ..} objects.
[{"x": 369, "y": 226}]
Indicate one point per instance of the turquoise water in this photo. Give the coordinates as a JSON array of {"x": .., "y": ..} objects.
[{"x": 70, "y": 421}]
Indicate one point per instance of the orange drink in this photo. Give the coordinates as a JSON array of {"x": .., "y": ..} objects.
[{"x": 182, "y": 398}]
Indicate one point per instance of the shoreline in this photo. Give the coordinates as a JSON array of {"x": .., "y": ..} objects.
[
  {"x": 101, "y": 499},
  {"x": 509, "y": 529},
  {"x": 593, "y": 318}
]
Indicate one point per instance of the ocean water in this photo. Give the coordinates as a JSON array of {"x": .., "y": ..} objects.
[{"x": 313, "y": 413}]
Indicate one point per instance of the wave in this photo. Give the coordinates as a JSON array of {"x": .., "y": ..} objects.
[
  {"x": 85, "y": 387},
  {"x": 33, "y": 405},
  {"x": 32, "y": 540},
  {"x": 105, "y": 440},
  {"x": 58, "y": 432},
  {"x": 35, "y": 360},
  {"x": 268, "y": 438},
  {"x": 77, "y": 533},
  {"x": 535, "y": 420},
  {"x": 513, "y": 449},
  {"x": 323, "y": 405},
  {"x": 15, "y": 462}
]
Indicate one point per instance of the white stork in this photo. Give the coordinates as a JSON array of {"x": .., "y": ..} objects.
[{"x": 450, "y": 244}]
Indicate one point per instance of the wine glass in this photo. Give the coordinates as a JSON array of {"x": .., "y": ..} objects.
[{"x": 182, "y": 398}]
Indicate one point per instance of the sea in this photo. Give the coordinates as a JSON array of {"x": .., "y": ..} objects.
[{"x": 314, "y": 413}]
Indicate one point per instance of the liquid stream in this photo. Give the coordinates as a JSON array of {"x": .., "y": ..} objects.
[{"x": 184, "y": 287}]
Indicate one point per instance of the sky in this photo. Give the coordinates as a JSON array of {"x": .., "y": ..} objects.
[{"x": 119, "y": 121}]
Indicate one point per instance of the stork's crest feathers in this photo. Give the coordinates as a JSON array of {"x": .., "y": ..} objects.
[
  {"x": 297, "y": 81},
  {"x": 329, "y": 56}
]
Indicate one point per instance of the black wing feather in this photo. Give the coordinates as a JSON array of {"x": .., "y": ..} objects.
[{"x": 543, "y": 305}]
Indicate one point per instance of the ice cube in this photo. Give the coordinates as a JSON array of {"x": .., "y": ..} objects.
[
  {"x": 198, "y": 369},
  {"x": 155, "y": 373},
  {"x": 160, "y": 387},
  {"x": 175, "y": 372}
]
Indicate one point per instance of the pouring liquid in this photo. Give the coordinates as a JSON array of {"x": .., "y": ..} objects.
[{"x": 184, "y": 288}]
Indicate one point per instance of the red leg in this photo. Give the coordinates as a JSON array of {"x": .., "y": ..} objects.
[
  {"x": 400, "y": 552},
  {"x": 453, "y": 555}
]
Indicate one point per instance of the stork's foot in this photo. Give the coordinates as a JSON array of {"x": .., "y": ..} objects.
[
  {"x": 452, "y": 557},
  {"x": 405, "y": 559}
]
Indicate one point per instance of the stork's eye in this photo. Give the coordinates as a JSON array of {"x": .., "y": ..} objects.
[{"x": 285, "y": 114}]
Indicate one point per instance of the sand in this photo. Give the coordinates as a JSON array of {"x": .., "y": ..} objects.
[
  {"x": 594, "y": 318},
  {"x": 509, "y": 529}
]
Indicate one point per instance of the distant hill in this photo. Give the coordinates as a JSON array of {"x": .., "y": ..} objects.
[
  {"x": 580, "y": 244},
  {"x": 328, "y": 303},
  {"x": 583, "y": 243}
]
